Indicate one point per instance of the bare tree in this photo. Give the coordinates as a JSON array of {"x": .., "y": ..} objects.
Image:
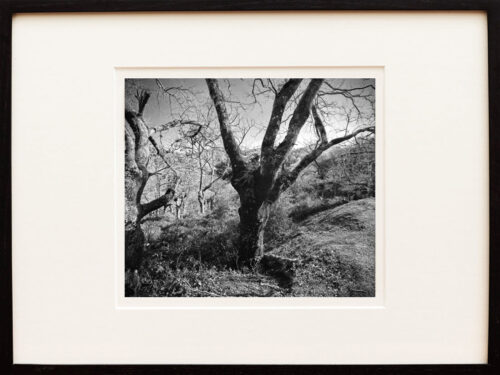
[
  {"x": 261, "y": 180},
  {"x": 139, "y": 145},
  {"x": 180, "y": 204},
  {"x": 206, "y": 155},
  {"x": 137, "y": 156}
]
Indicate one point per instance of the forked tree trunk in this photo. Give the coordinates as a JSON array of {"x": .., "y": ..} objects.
[
  {"x": 259, "y": 183},
  {"x": 137, "y": 143}
]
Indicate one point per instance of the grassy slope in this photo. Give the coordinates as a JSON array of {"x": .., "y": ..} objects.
[{"x": 335, "y": 250}]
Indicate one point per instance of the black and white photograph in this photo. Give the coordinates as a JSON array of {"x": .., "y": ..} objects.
[{"x": 249, "y": 187}]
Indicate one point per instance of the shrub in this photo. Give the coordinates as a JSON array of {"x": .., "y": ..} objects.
[
  {"x": 152, "y": 230},
  {"x": 199, "y": 242},
  {"x": 302, "y": 189},
  {"x": 221, "y": 209}
]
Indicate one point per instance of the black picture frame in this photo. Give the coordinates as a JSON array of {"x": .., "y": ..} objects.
[{"x": 10, "y": 7}]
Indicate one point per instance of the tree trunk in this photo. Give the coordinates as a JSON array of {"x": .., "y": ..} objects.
[
  {"x": 134, "y": 246},
  {"x": 253, "y": 220},
  {"x": 134, "y": 236},
  {"x": 178, "y": 208},
  {"x": 210, "y": 203},
  {"x": 201, "y": 201},
  {"x": 132, "y": 185}
]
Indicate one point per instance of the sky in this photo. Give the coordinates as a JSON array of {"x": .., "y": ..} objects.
[{"x": 189, "y": 99}]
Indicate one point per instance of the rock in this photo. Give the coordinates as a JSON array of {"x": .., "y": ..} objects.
[{"x": 282, "y": 269}]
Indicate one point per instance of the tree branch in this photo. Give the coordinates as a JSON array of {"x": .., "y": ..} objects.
[
  {"x": 297, "y": 121},
  {"x": 279, "y": 105},
  {"x": 144, "y": 181},
  {"x": 140, "y": 131},
  {"x": 319, "y": 126},
  {"x": 130, "y": 163},
  {"x": 175, "y": 123},
  {"x": 163, "y": 154},
  {"x": 288, "y": 179},
  {"x": 230, "y": 144},
  {"x": 142, "y": 97},
  {"x": 223, "y": 175},
  {"x": 155, "y": 204}
]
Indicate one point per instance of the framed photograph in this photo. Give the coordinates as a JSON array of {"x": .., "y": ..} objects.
[{"x": 249, "y": 188}]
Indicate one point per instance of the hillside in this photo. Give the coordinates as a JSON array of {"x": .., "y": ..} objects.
[{"x": 334, "y": 252}]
